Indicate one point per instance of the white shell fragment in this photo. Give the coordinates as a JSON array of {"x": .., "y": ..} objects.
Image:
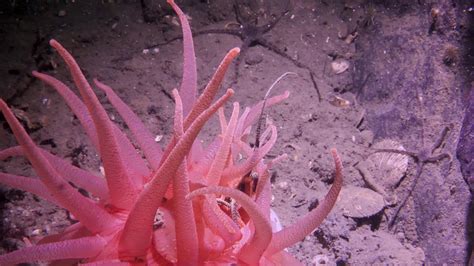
[
  {"x": 339, "y": 101},
  {"x": 275, "y": 221},
  {"x": 358, "y": 202},
  {"x": 339, "y": 65},
  {"x": 387, "y": 168}
]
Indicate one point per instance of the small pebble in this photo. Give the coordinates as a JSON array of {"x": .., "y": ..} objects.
[{"x": 283, "y": 185}]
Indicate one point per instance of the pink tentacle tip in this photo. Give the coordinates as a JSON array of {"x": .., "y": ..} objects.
[{"x": 55, "y": 43}]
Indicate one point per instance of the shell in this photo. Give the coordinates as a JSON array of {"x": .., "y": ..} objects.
[
  {"x": 358, "y": 202},
  {"x": 387, "y": 168},
  {"x": 339, "y": 101},
  {"x": 339, "y": 66}
]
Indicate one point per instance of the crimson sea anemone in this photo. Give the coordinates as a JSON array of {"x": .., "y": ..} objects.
[{"x": 185, "y": 204}]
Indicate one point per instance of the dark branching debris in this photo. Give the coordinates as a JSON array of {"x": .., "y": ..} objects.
[{"x": 252, "y": 33}]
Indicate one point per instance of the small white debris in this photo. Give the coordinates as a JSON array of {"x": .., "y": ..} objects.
[
  {"x": 45, "y": 101},
  {"x": 36, "y": 232},
  {"x": 319, "y": 260},
  {"x": 292, "y": 16},
  {"x": 275, "y": 221},
  {"x": 155, "y": 50},
  {"x": 283, "y": 185},
  {"x": 102, "y": 170},
  {"x": 71, "y": 216},
  {"x": 146, "y": 51},
  {"x": 339, "y": 66},
  {"x": 339, "y": 101},
  {"x": 158, "y": 138},
  {"x": 351, "y": 37},
  {"x": 174, "y": 21}
]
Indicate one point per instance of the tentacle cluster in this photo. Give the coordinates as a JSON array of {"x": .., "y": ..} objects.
[{"x": 163, "y": 209}]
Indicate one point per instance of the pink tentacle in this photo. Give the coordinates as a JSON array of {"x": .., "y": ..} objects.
[
  {"x": 136, "y": 235},
  {"x": 164, "y": 237},
  {"x": 252, "y": 251},
  {"x": 222, "y": 120},
  {"x": 86, "y": 211},
  {"x": 32, "y": 185},
  {"x": 235, "y": 172},
  {"x": 242, "y": 147},
  {"x": 269, "y": 144},
  {"x": 304, "y": 226},
  {"x": 240, "y": 125},
  {"x": 210, "y": 244},
  {"x": 218, "y": 164},
  {"x": 73, "y": 231},
  {"x": 137, "y": 169},
  {"x": 202, "y": 162},
  {"x": 81, "y": 178},
  {"x": 188, "y": 88},
  {"x": 220, "y": 223},
  {"x": 186, "y": 232},
  {"x": 122, "y": 189},
  {"x": 86, "y": 247},
  {"x": 178, "y": 115},
  {"x": 81, "y": 112},
  {"x": 263, "y": 194},
  {"x": 217, "y": 220},
  {"x": 197, "y": 150},
  {"x": 76, "y": 105},
  {"x": 10, "y": 152},
  {"x": 145, "y": 140},
  {"x": 205, "y": 99}
]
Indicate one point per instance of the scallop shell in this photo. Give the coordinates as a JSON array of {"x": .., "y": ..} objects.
[
  {"x": 388, "y": 168},
  {"x": 358, "y": 202}
]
